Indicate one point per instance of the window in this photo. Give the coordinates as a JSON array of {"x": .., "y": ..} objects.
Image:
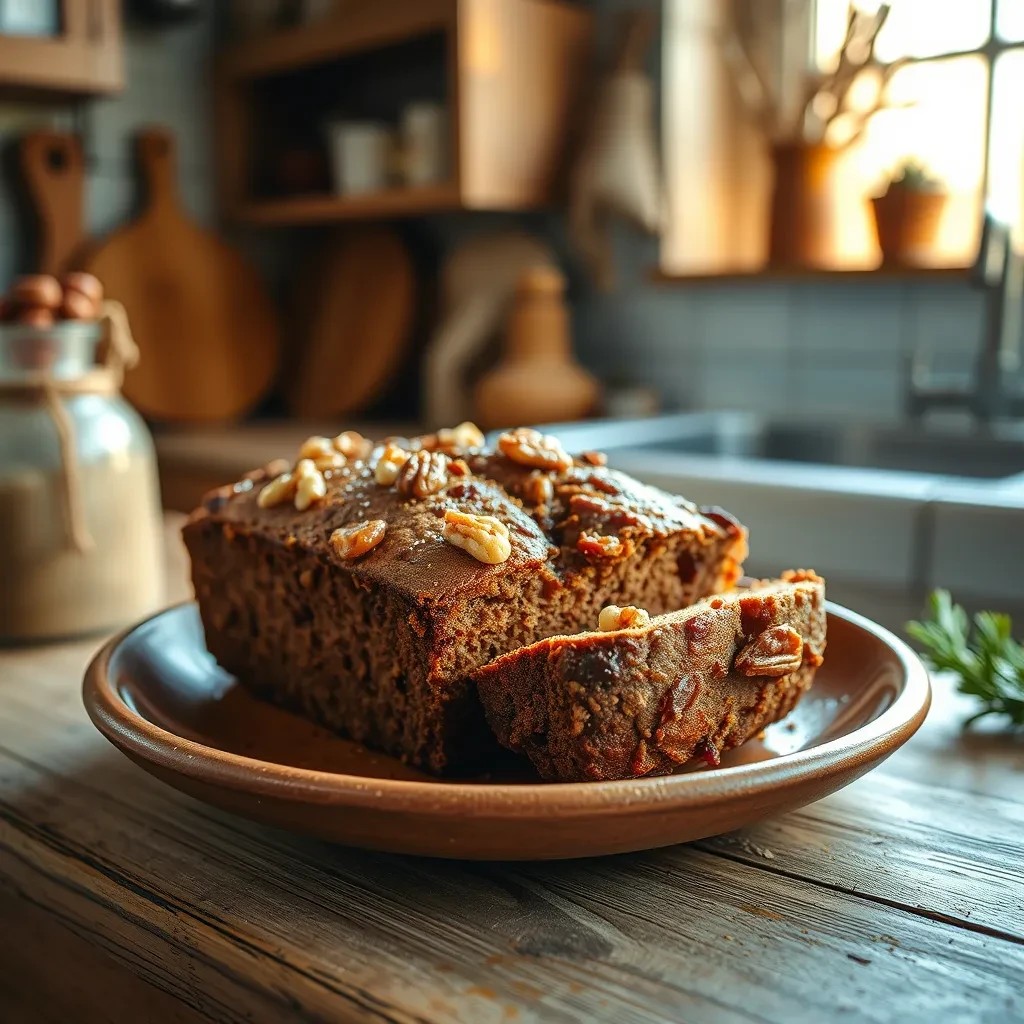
[{"x": 954, "y": 104}]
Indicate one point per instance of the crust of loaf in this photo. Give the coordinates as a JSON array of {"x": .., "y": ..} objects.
[
  {"x": 637, "y": 702},
  {"x": 380, "y": 648}
]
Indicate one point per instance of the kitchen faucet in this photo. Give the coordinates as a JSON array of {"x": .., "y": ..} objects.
[{"x": 999, "y": 269}]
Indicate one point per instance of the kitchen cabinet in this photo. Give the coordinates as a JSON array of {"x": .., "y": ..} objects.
[{"x": 65, "y": 47}]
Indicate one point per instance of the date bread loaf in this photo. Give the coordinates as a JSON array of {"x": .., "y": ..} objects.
[
  {"x": 643, "y": 696},
  {"x": 363, "y": 584}
]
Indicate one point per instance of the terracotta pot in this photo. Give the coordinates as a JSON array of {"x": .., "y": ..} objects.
[
  {"x": 907, "y": 224},
  {"x": 801, "y": 231},
  {"x": 537, "y": 380}
]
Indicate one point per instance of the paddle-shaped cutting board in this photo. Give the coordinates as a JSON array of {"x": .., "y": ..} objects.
[
  {"x": 53, "y": 168},
  {"x": 206, "y": 330}
]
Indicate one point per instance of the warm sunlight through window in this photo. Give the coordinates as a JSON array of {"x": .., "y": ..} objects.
[
  {"x": 953, "y": 102},
  {"x": 941, "y": 109}
]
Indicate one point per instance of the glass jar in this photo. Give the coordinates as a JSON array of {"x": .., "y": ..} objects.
[{"x": 79, "y": 500}]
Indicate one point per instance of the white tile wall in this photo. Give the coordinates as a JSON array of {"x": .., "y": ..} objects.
[{"x": 840, "y": 349}]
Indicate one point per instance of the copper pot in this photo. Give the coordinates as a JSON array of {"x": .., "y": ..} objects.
[
  {"x": 802, "y": 227},
  {"x": 907, "y": 225}
]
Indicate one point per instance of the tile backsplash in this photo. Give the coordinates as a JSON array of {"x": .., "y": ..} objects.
[{"x": 838, "y": 349}]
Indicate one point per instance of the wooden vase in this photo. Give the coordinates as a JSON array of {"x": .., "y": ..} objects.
[
  {"x": 802, "y": 227},
  {"x": 537, "y": 380},
  {"x": 907, "y": 224}
]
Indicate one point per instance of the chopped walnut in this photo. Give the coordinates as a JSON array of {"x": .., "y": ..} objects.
[
  {"x": 613, "y": 617},
  {"x": 391, "y": 460},
  {"x": 604, "y": 546},
  {"x": 316, "y": 447},
  {"x": 465, "y": 435},
  {"x": 532, "y": 448},
  {"x": 354, "y": 541},
  {"x": 483, "y": 537},
  {"x": 538, "y": 489},
  {"x": 310, "y": 486},
  {"x": 279, "y": 490},
  {"x": 424, "y": 473},
  {"x": 776, "y": 652},
  {"x": 594, "y": 458},
  {"x": 352, "y": 445},
  {"x": 459, "y": 467}
]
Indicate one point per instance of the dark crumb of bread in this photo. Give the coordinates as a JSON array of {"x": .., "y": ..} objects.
[
  {"x": 378, "y": 641},
  {"x": 644, "y": 701}
]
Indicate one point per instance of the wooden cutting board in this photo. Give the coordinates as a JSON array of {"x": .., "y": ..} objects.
[
  {"x": 205, "y": 327},
  {"x": 357, "y": 304},
  {"x": 54, "y": 172}
]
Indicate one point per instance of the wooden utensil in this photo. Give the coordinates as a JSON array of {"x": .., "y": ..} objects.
[
  {"x": 207, "y": 332},
  {"x": 54, "y": 172},
  {"x": 359, "y": 300}
]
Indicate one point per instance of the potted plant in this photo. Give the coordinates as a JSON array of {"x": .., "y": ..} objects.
[
  {"x": 908, "y": 215},
  {"x": 807, "y": 142}
]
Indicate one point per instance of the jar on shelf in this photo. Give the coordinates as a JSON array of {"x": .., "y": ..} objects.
[{"x": 79, "y": 499}]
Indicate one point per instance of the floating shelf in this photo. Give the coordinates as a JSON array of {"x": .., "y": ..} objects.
[
  {"x": 795, "y": 275},
  {"x": 319, "y": 209}
]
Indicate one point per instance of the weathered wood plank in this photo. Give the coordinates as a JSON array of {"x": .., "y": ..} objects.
[
  {"x": 884, "y": 837},
  {"x": 43, "y": 956},
  {"x": 219, "y": 906},
  {"x": 891, "y": 839}
]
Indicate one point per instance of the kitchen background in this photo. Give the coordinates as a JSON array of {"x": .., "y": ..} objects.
[
  {"x": 785, "y": 344},
  {"x": 835, "y": 348}
]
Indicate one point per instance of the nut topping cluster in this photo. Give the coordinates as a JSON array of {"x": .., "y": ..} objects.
[
  {"x": 305, "y": 484},
  {"x": 335, "y": 452},
  {"x": 613, "y": 617},
  {"x": 483, "y": 537},
  {"x": 354, "y": 541},
  {"x": 465, "y": 435},
  {"x": 423, "y": 473},
  {"x": 391, "y": 460},
  {"x": 532, "y": 448},
  {"x": 538, "y": 489}
]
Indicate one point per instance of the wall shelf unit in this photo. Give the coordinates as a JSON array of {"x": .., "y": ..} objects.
[{"x": 507, "y": 71}]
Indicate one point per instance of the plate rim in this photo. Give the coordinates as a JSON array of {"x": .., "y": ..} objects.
[{"x": 143, "y": 740}]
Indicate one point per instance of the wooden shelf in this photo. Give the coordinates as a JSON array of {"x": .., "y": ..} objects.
[
  {"x": 509, "y": 73},
  {"x": 769, "y": 275},
  {"x": 320, "y": 209},
  {"x": 366, "y": 27}
]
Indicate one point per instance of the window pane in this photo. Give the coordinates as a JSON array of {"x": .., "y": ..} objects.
[
  {"x": 1006, "y": 154},
  {"x": 914, "y": 28},
  {"x": 1010, "y": 19},
  {"x": 945, "y": 130}
]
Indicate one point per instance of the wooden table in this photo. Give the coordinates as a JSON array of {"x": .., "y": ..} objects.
[{"x": 900, "y": 898}]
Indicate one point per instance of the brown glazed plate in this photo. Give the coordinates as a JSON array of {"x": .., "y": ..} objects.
[{"x": 156, "y": 693}]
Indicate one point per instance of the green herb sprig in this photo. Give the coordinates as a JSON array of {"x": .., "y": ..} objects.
[{"x": 988, "y": 662}]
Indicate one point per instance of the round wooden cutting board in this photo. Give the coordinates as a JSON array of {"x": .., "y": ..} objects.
[
  {"x": 358, "y": 303},
  {"x": 204, "y": 324}
]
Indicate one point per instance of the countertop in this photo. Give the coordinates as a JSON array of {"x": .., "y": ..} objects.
[{"x": 899, "y": 898}]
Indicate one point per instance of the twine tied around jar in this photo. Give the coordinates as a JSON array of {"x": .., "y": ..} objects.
[{"x": 118, "y": 354}]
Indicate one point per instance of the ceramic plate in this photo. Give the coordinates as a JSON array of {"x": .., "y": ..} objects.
[{"x": 157, "y": 694}]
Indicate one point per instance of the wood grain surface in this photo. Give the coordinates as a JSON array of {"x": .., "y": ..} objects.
[
  {"x": 900, "y": 898},
  {"x": 206, "y": 328}
]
